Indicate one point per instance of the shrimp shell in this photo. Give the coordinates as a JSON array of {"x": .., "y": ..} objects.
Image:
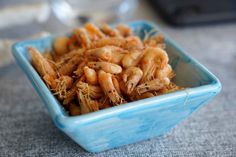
[
  {"x": 124, "y": 30},
  {"x": 131, "y": 77},
  {"x": 91, "y": 75},
  {"x": 105, "y": 81},
  {"x": 153, "y": 58},
  {"x": 106, "y": 66},
  {"x": 70, "y": 66},
  {"x": 106, "y": 29},
  {"x": 92, "y": 91},
  {"x": 41, "y": 64},
  {"x": 152, "y": 85},
  {"x": 131, "y": 59},
  {"x": 93, "y": 30},
  {"x": 82, "y": 37}
]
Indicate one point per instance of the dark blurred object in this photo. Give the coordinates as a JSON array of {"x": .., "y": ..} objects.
[{"x": 186, "y": 12}]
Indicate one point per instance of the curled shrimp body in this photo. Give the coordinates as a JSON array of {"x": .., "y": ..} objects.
[
  {"x": 41, "y": 64},
  {"x": 152, "y": 85},
  {"x": 105, "y": 81},
  {"x": 106, "y": 66},
  {"x": 82, "y": 37},
  {"x": 164, "y": 72},
  {"x": 106, "y": 29},
  {"x": 91, "y": 75},
  {"x": 131, "y": 77},
  {"x": 124, "y": 30},
  {"x": 153, "y": 58},
  {"x": 94, "y": 31},
  {"x": 111, "y": 54},
  {"x": 131, "y": 59}
]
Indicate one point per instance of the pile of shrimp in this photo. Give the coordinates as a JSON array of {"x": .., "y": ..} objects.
[{"x": 100, "y": 67}]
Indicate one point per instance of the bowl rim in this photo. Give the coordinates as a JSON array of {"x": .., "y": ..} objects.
[{"x": 63, "y": 120}]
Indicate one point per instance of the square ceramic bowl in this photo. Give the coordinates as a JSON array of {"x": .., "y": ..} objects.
[{"x": 131, "y": 122}]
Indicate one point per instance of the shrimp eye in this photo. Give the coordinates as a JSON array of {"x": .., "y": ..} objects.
[
  {"x": 109, "y": 91},
  {"x": 147, "y": 88},
  {"x": 145, "y": 84},
  {"x": 113, "y": 90}
]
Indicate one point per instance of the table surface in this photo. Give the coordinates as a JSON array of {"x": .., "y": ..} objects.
[{"x": 26, "y": 129}]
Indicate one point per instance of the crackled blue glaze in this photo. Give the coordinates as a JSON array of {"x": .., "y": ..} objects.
[{"x": 132, "y": 122}]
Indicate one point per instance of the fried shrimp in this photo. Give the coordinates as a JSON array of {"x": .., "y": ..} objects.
[
  {"x": 41, "y": 64},
  {"x": 92, "y": 91},
  {"x": 153, "y": 58},
  {"x": 106, "y": 66},
  {"x": 90, "y": 75},
  {"x": 106, "y": 29},
  {"x": 93, "y": 30},
  {"x": 131, "y": 77},
  {"x": 82, "y": 37},
  {"x": 131, "y": 59},
  {"x": 99, "y": 67},
  {"x": 105, "y": 81},
  {"x": 124, "y": 30},
  {"x": 152, "y": 85}
]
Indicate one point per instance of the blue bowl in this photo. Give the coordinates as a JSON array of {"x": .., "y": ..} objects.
[{"x": 131, "y": 122}]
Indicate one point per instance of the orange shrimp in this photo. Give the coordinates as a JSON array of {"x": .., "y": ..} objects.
[
  {"x": 106, "y": 66},
  {"x": 93, "y": 30},
  {"x": 131, "y": 77},
  {"x": 105, "y": 81},
  {"x": 106, "y": 29},
  {"x": 82, "y": 37},
  {"x": 153, "y": 58},
  {"x": 152, "y": 85},
  {"x": 91, "y": 75},
  {"x": 41, "y": 64}
]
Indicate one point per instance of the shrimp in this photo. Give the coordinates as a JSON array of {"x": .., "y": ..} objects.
[
  {"x": 70, "y": 95},
  {"x": 116, "y": 84},
  {"x": 131, "y": 59},
  {"x": 92, "y": 91},
  {"x": 152, "y": 85},
  {"x": 93, "y": 30},
  {"x": 91, "y": 75},
  {"x": 86, "y": 104},
  {"x": 60, "y": 45},
  {"x": 82, "y": 37},
  {"x": 74, "y": 109},
  {"x": 69, "y": 66},
  {"x": 106, "y": 66},
  {"x": 153, "y": 58},
  {"x": 107, "y": 53},
  {"x": 80, "y": 71},
  {"x": 124, "y": 30},
  {"x": 156, "y": 41},
  {"x": 105, "y": 81},
  {"x": 131, "y": 77},
  {"x": 165, "y": 72},
  {"x": 113, "y": 41},
  {"x": 106, "y": 29},
  {"x": 132, "y": 43},
  {"x": 170, "y": 88},
  {"x": 41, "y": 64}
]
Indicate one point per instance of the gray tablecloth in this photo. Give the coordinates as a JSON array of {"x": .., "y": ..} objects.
[{"x": 26, "y": 129}]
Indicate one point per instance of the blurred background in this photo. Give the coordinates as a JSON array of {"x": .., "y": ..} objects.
[{"x": 206, "y": 29}]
